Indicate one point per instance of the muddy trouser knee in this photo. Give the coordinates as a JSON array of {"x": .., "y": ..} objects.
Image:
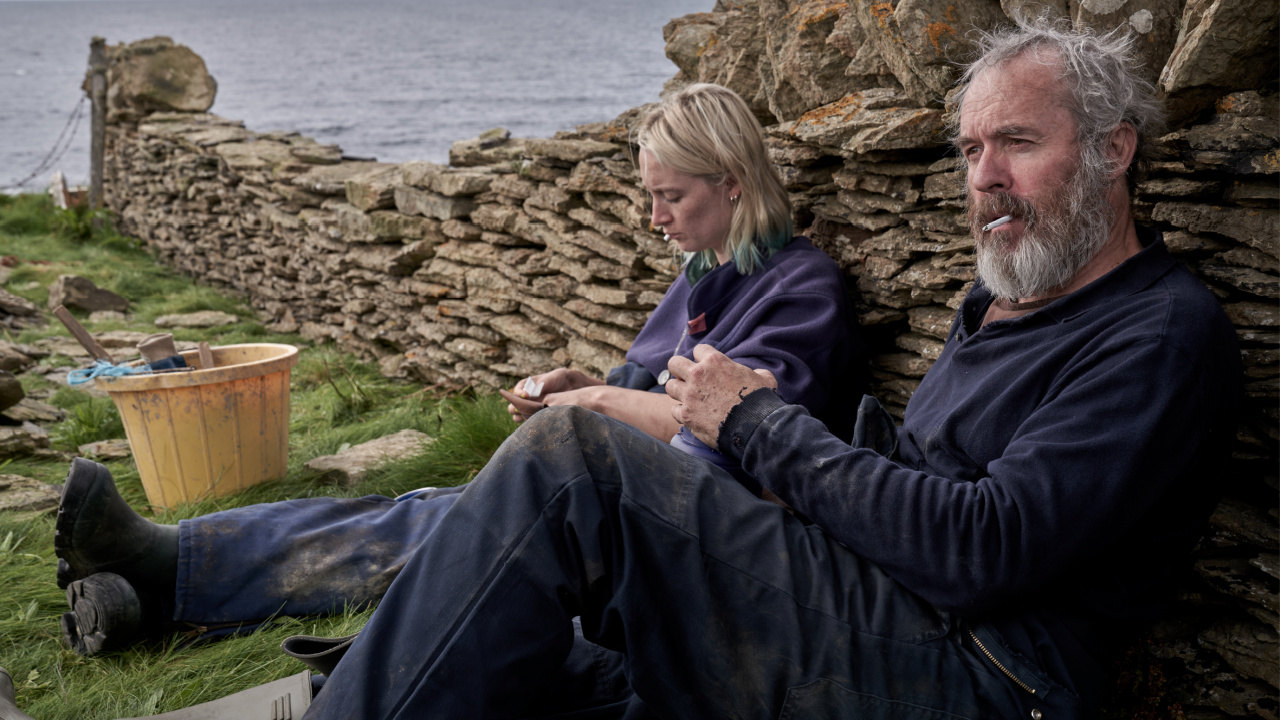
[{"x": 724, "y": 605}]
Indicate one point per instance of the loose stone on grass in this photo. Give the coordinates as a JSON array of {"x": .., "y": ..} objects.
[
  {"x": 14, "y": 305},
  {"x": 26, "y": 439},
  {"x": 350, "y": 466},
  {"x": 108, "y": 316},
  {"x": 14, "y": 360},
  {"x": 23, "y": 494},
  {"x": 31, "y": 410},
  {"x": 107, "y": 449},
  {"x": 202, "y": 319},
  {"x": 81, "y": 293},
  {"x": 10, "y": 389}
]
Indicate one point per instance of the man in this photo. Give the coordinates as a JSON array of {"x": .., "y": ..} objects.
[{"x": 1053, "y": 467}]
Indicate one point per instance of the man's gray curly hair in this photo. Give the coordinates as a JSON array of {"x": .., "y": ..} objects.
[{"x": 1097, "y": 72}]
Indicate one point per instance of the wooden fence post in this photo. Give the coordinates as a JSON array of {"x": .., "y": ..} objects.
[{"x": 98, "y": 98}]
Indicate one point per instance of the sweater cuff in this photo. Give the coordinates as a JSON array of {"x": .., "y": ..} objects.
[{"x": 743, "y": 419}]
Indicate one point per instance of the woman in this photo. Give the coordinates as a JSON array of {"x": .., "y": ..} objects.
[{"x": 761, "y": 297}]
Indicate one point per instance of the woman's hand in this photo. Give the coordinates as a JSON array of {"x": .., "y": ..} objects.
[
  {"x": 648, "y": 411},
  {"x": 651, "y": 412},
  {"x": 559, "y": 381}
]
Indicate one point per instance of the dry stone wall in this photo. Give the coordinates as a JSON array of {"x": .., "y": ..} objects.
[
  {"x": 523, "y": 256},
  {"x": 527, "y": 254}
]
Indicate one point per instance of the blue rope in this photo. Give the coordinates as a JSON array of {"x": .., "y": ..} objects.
[{"x": 103, "y": 368}]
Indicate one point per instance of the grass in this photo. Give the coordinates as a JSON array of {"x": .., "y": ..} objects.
[
  {"x": 88, "y": 419},
  {"x": 337, "y": 401}
]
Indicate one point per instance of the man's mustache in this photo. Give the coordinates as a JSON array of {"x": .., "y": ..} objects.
[{"x": 997, "y": 205}]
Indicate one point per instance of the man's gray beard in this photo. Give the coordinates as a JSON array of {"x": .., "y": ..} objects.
[{"x": 1061, "y": 235}]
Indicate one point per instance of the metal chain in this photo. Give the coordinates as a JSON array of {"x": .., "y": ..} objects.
[{"x": 60, "y": 146}]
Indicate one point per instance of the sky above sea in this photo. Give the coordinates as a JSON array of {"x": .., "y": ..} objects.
[{"x": 390, "y": 79}]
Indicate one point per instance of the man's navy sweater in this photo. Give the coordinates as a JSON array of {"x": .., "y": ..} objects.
[{"x": 1052, "y": 470}]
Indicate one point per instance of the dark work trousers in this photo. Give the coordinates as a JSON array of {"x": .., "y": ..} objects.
[
  {"x": 724, "y": 605},
  {"x": 324, "y": 555}
]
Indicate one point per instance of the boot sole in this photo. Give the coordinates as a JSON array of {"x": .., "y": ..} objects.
[
  {"x": 105, "y": 613},
  {"x": 80, "y": 482}
]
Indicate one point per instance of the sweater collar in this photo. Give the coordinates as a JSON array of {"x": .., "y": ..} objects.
[
  {"x": 719, "y": 287},
  {"x": 1130, "y": 277}
]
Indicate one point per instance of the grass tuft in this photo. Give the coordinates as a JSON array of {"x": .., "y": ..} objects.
[
  {"x": 27, "y": 215},
  {"x": 89, "y": 420},
  {"x": 80, "y": 224}
]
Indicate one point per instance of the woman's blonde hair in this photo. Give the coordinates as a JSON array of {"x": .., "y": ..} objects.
[{"x": 708, "y": 131}]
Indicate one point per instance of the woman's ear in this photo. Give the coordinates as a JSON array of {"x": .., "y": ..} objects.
[
  {"x": 732, "y": 186},
  {"x": 1122, "y": 143}
]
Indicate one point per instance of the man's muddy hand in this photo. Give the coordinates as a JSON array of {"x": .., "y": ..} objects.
[{"x": 707, "y": 387}]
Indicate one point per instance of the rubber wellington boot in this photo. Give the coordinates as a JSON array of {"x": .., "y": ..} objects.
[
  {"x": 8, "y": 706},
  {"x": 97, "y": 531}
]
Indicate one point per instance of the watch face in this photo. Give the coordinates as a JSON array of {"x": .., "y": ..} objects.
[{"x": 663, "y": 377}]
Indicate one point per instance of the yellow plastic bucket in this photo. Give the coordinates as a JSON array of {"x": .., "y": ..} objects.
[{"x": 208, "y": 432}]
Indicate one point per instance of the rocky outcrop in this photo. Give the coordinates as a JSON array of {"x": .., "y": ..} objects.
[
  {"x": 528, "y": 254},
  {"x": 155, "y": 75}
]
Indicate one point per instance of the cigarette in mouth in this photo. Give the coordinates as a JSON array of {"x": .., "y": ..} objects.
[{"x": 996, "y": 223}]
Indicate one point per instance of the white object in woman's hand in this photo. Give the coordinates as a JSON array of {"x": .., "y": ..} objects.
[{"x": 532, "y": 388}]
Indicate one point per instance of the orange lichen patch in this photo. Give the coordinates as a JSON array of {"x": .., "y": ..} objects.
[
  {"x": 816, "y": 12},
  {"x": 832, "y": 12},
  {"x": 1271, "y": 161},
  {"x": 615, "y": 132},
  {"x": 934, "y": 31},
  {"x": 1226, "y": 104},
  {"x": 843, "y": 109},
  {"x": 883, "y": 13},
  {"x": 704, "y": 47}
]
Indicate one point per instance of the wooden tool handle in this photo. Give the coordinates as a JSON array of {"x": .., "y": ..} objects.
[
  {"x": 81, "y": 335},
  {"x": 206, "y": 356}
]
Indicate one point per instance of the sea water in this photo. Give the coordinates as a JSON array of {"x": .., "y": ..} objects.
[{"x": 389, "y": 79}]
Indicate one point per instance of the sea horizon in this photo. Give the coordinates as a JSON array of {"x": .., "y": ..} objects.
[{"x": 390, "y": 79}]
